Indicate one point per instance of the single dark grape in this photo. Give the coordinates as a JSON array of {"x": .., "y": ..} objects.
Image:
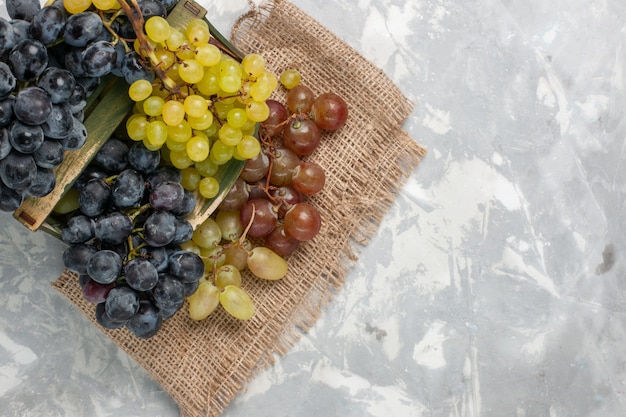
[
  {"x": 303, "y": 221},
  {"x": 96, "y": 293},
  {"x": 167, "y": 195},
  {"x": 28, "y": 59},
  {"x": 78, "y": 99},
  {"x": 280, "y": 242},
  {"x": 78, "y": 229},
  {"x": 146, "y": 322},
  {"x": 255, "y": 168},
  {"x": 99, "y": 58},
  {"x": 141, "y": 274},
  {"x": 104, "y": 266},
  {"x": 103, "y": 319},
  {"x": 82, "y": 28},
  {"x": 77, "y": 136},
  {"x": 187, "y": 205},
  {"x": 22, "y": 9},
  {"x": 236, "y": 197},
  {"x": 128, "y": 189},
  {"x": 169, "y": 292},
  {"x": 10, "y": 199},
  {"x": 59, "y": 123},
  {"x": 143, "y": 159},
  {"x": 47, "y": 25},
  {"x": 91, "y": 172},
  {"x": 17, "y": 170},
  {"x": 190, "y": 287},
  {"x": 184, "y": 231},
  {"x": 122, "y": 303},
  {"x": 132, "y": 69},
  {"x": 5, "y": 143},
  {"x": 49, "y": 155},
  {"x": 286, "y": 197},
  {"x": 285, "y": 161},
  {"x": 186, "y": 266},
  {"x": 44, "y": 183},
  {"x": 113, "y": 155},
  {"x": 159, "y": 229},
  {"x": 113, "y": 228},
  {"x": 7, "y": 79},
  {"x": 162, "y": 174},
  {"x": 32, "y": 106},
  {"x": 151, "y": 8},
  {"x": 265, "y": 216},
  {"x": 308, "y": 177},
  {"x": 7, "y": 36},
  {"x": 59, "y": 83},
  {"x": 299, "y": 99},
  {"x": 157, "y": 256},
  {"x": 90, "y": 84},
  {"x": 6, "y": 111},
  {"x": 25, "y": 138},
  {"x": 75, "y": 257},
  {"x": 21, "y": 29},
  {"x": 94, "y": 197}
]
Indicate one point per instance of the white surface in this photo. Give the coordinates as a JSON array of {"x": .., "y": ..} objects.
[{"x": 495, "y": 285}]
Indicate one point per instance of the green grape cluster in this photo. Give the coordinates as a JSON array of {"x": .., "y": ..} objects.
[{"x": 203, "y": 108}]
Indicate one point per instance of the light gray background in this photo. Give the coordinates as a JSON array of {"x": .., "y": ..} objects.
[{"x": 495, "y": 285}]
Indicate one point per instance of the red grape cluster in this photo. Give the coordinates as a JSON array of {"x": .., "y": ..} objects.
[{"x": 271, "y": 191}]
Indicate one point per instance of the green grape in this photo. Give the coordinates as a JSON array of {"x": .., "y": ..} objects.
[
  {"x": 208, "y": 234},
  {"x": 263, "y": 87},
  {"x": 156, "y": 133},
  {"x": 195, "y": 105},
  {"x": 180, "y": 159},
  {"x": 207, "y": 168},
  {"x": 257, "y": 111},
  {"x": 181, "y": 132},
  {"x": 191, "y": 71},
  {"x": 290, "y": 78},
  {"x": 236, "y": 117},
  {"x": 190, "y": 246},
  {"x": 173, "y": 112},
  {"x": 266, "y": 264},
  {"x": 106, "y": 5},
  {"x": 222, "y": 107},
  {"x": 221, "y": 153},
  {"x": 136, "y": 127},
  {"x": 198, "y": 33},
  {"x": 173, "y": 145},
  {"x": 203, "y": 301},
  {"x": 150, "y": 146},
  {"x": 157, "y": 29},
  {"x": 209, "y": 187},
  {"x": 190, "y": 178},
  {"x": 253, "y": 64},
  {"x": 230, "y": 224},
  {"x": 201, "y": 123},
  {"x": 230, "y": 135},
  {"x": 208, "y": 54},
  {"x": 227, "y": 275},
  {"x": 140, "y": 90},
  {"x": 249, "y": 147},
  {"x": 209, "y": 85},
  {"x": 153, "y": 106},
  {"x": 175, "y": 40},
  {"x": 230, "y": 83},
  {"x": 76, "y": 6},
  {"x": 213, "y": 257},
  {"x": 237, "y": 302},
  {"x": 198, "y": 148},
  {"x": 166, "y": 58}
]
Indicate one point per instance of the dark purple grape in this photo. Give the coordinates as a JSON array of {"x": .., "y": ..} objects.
[
  {"x": 187, "y": 205},
  {"x": 7, "y": 36},
  {"x": 77, "y": 136},
  {"x": 276, "y": 121},
  {"x": 236, "y": 197},
  {"x": 44, "y": 183},
  {"x": 132, "y": 69},
  {"x": 17, "y": 170},
  {"x": 113, "y": 228},
  {"x": 59, "y": 83},
  {"x": 265, "y": 216},
  {"x": 94, "y": 197},
  {"x": 78, "y": 229},
  {"x": 21, "y": 29},
  {"x": 167, "y": 195},
  {"x": 5, "y": 143},
  {"x": 190, "y": 287},
  {"x": 104, "y": 320},
  {"x": 141, "y": 274},
  {"x": 78, "y": 99},
  {"x": 113, "y": 155},
  {"x": 184, "y": 231},
  {"x": 25, "y": 138},
  {"x": 255, "y": 169},
  {"x": 162, "y": 174},
  {"x": 23, "y": 9},
  {"x": 72, "y": 61},
  {"x": 75, "y": 257},
  {"x": 82, "y": 28},
  {"x": 143, "y": 159},
  {"x": 186, "y": 266},
  {"x": 96, "y": 293},
  {"x": 302, "y": 136},
  {"x": 146, "y": 322},
  {"x": 169, "y": 292},
  {"x": 99, "y": 58},
  {"x": 6, "y": 111},
  {"x": 157, "y": 256},
  {"x": 10, "y": 199},
  {"x": 151, "y": 8},
  {"x": 49, "y": 155},
  {"x": 7, "y": 79},
  {"x": 122, "y": 303},
  {"x": 28, "y": 59},
  {"x": 159, "y": 229},
  {"x": 90, "y": 84},
  {"x": 91, "y": 172},
  {"x": 32, "y": 106},
  {"x": 47, "y": 25},
  {"x": 104, "y": 266},
  {"x": 128, "y": 189}
]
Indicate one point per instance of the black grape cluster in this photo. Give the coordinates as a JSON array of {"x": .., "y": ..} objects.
[
  {"x": 124, "y": 238},
  {"x": 50, "y": 63}
]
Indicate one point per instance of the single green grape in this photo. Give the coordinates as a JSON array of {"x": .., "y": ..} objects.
[
  {"x": 237, "y": 302},
  {"x": 209, "y": 187}
]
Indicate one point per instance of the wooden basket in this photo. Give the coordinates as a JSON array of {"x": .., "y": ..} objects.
[{"x": 106, "y": 111}]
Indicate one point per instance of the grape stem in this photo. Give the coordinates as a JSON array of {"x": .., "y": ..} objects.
[{"x": 136, "y": 19}]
